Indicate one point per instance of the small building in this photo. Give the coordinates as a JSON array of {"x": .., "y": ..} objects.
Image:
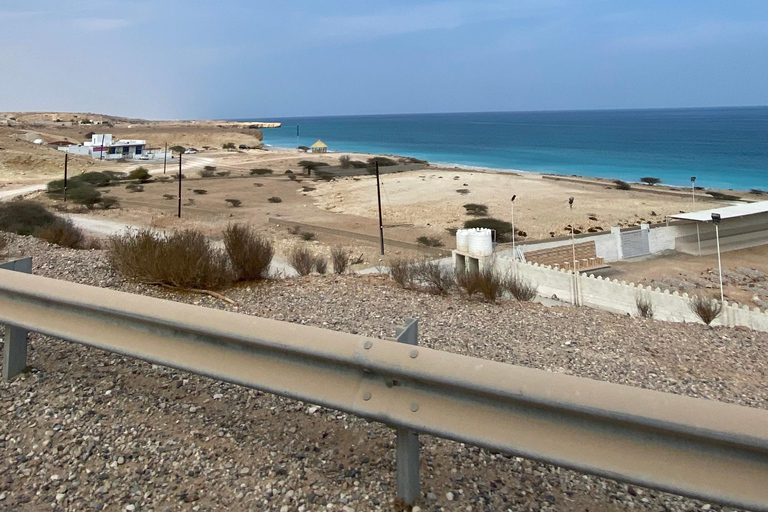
[
  {"x": 318, "y": 147},
  {"x": 102, "y": 147}
]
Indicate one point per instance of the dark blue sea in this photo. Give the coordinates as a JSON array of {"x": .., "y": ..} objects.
[{"x": 722, "y": 147}]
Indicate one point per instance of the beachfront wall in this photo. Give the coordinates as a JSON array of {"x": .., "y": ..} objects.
[{"x": 621, "y": 297}]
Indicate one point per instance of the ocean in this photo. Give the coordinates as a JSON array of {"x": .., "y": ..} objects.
[{"x": 722, "y": 147}]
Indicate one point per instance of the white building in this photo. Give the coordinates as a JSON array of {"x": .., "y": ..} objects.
[{"x": 102, "y": 147}]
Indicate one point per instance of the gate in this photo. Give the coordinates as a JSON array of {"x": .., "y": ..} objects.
[{"x": 635, "y": 243}]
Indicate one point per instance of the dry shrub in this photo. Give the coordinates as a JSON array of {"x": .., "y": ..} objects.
[
  {"x": 302, "y": 261},
  {"x": 490, "y": 283},
  {"x": 705, "y": 308},
  {"x": 401, "y": 271},
  {"x": 274, "y": 199},
  {"x": 3, "y": 243},
  {"x": 468, "y": 282},
  {"x": 520, "y": 288},
  {"x": 249, "y": 253},
  {"x": 321, "y": 265},
  {"x": 644, "y": 307},
  {"x": 182, "y": 259},
  {"x": 340, "y": 258},
  {"x": 307, "y": 236},
  {"x": 435, "y": 278},
  {"x": 24, "y": 217},
  {"x": 62, "y": 232}
]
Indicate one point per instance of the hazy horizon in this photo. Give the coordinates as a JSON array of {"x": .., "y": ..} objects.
[{"x": 195, "y": 60}]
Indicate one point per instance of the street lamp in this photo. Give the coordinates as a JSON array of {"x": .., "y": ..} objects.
[
  {"x": 512, "y": 201},
  {"x": 716, "y": 222},
  {"x": 573, "y": 249},
  {"x": 693, "y": 189}
]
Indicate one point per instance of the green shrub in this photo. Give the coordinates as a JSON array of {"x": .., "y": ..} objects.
[
  {"x": 234, "y": 202},
  {"x": 478, "y": 210},
  {"x": 24, "y": 217},
  {"x": 358, "y": 164},
  {"x": 275, "y": 199},
  {"x": 206, "y": 173},
  {"x": 260, "y": 172},
  {"x": 382, "y": 161},
  {"x": 97, "y": 179},
  {"x": 108, "y": 202},
  {"x": 344, "y": 161},
  {"x": 502, "y": 227},
  {"x": 86, "y": 195},
  {"x": 140, "y": 174},
  {"x": 211, "y": 168},
  {"x": 200, "y": 191},
  {"x": 249, "y": 253},
  {"x": 228, "y": 145},
  {"x": 178, "y": 149},
  {"x": 430, "y": 241},
  {"x": 757, "y": 191},
  {"x": 311, "y": 165},
  {"x": 723, "y": 197}
]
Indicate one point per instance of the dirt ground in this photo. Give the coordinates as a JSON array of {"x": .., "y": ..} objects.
[{"x": 745, "y": 274}]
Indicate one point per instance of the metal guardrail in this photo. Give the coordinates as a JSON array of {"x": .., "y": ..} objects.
[{"x": 704, "y": 449}]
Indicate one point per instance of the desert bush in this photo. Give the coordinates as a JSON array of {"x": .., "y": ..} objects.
[
  {"x": 234, "y": 202},
  {"x": 644, "y": 307},
  {"x": 307, "y": 236},
  {"x": 211, "y": 168},
  {"x": 381, "y": 160},
  {"x": 401, "y": 270},
  {"x": 490, "y": 284},
  {"x": 228, "y": 145},
  {"x": 705, "y": 308},
  {"x": 622, "y": 185},
  {"x": 358, "y": 164},
  {"x": 307, "y": 188},
  {"x": 3, "y": 244},
  {"x": 176, "y": 176},
  {"x": 311, "y": 165},
  {"x": 344, "y": 162},
  {"x": 648, "y": 180},
  {"x": 462, "y": 191},
  {"x": 292, "y": 177},
  {"x": 478, "y": 210},
  {"x": 182, "y": 259},
  {"x": 467, "y": 282},
  {"x": 108, "y": 202},
  {"x": 723, "y": 197},
  {"x": 168, "y": 197},
  {"x": 757, "y": 191},
  {"x": 275, "y": 199},
  {"x": 452, "y": 231},
  {"x": 340, "y": 258},
  {"x": 520, "y": 288},
  {"x": 321, "y": 265},
  {"x": 502, "y": 227},
  {"x": 302, "y": 261},
  {"x": 97, "y": 179},
  {"x": 134, "y": 187},
  {"x": 85, "y": 195},
  {"x": 249, "y": 253},
  {"x": 140, "y": 174},
  {"x": 62, "y": 232},
  {"x": 200, "y": 191},
  {"x": 258, "y": 184},
  {"x": 429, "y": 241},
  {"x": 178, "y": 149},
  {"x": 223, "y": 174},
  {"x": 260, "y": 172},
  {"x": 206, "y": 173},
  {"x": 24, "y": 217},
  {"x": 436, "y": 279}
]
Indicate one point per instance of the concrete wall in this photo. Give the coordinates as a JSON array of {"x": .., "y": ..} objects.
[{"x": 621, "y": 297}]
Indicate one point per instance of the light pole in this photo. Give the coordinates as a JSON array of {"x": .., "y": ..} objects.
[
  {"x": 573, "y": 249},
  {"x": 512, "y": 202},
  {"x": 693, "y": 189},
  {"x": 716, "y": 222}
]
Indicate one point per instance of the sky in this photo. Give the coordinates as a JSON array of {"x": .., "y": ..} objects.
[{"x": 195, "y": 59}]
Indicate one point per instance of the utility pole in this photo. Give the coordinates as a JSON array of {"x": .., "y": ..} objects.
[
  {"x": 179, "y": 185},
  {"x": 512, "y": 202},
  {"x": 297, "y": 136},
  {"x": 381, "y": 222},
  {"x": 165, "y": 157},
  {"x": 66, "y": 160},
  {"x": 693, "y": 189},
  {"x": 573, "y": 249}
]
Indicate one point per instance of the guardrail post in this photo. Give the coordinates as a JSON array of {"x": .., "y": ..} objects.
[
  {"x": 408, "y": 440},
  {"x": 15, "y": 346}
]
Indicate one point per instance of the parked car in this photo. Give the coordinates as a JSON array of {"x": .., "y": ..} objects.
[
  {"x": 243, "y": 146},
  {"x": 190, "y": 152}
]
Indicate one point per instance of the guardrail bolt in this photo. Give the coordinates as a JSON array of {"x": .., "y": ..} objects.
[
  {"x": 414, "y": 354},
  {"x": 368, "y": 345},
  {"x": 366, "y": 396},
  {"x": 414, "y": 407}
]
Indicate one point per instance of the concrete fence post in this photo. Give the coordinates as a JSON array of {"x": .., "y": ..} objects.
[
  {"x": 408, "y": 440},
  {"x": 15, "y": 346}
]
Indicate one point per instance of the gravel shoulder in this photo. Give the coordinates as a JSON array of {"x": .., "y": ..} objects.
[{"x": 89, "y": 430}]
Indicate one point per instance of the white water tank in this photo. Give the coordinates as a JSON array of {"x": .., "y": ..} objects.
[
  {"x": 480, "y": 242},
  {"x": 462, "y": 240}
]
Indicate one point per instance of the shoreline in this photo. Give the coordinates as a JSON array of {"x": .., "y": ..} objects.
[{"x": 577, "y": 178}]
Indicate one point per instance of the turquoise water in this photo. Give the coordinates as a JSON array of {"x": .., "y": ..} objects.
[{"x": 722, "y": 147}]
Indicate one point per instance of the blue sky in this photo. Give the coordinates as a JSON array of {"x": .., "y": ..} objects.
[{"x": 234, "y": 59}]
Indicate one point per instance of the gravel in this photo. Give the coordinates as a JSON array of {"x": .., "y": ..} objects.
[{"x": 89, "y": 430}]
